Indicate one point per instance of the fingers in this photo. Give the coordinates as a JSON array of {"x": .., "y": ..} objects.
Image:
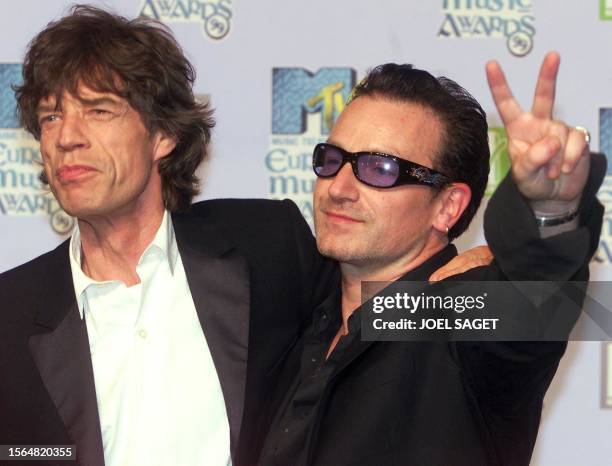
[
  {"x": 559, "y": 152},
  {"x": 544, "y": 99},
  {"x": 560, "y": 131},
  {"x": 444, "y": 273},
  {"x": 549, "y": 160},
  {"x": 507, "y": 106},
  {"x": 475, "y": 257},
  {"x": 441, "y": 274},
  {"x": 576, "y": 147},
  {"x": 526, "y": 165}
]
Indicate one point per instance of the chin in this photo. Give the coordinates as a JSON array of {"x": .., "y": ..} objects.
[
  {"x": 71, "y": 202},
  {"x": 329, "y": 250},
  {"x": 342, "y": 253},
  {"x": 81, "y": 209}
]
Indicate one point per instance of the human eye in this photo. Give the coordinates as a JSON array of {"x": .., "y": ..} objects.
[
  {"x": 380, "y": 171},
  {"x": 383, "y": 166},
  {"x": 100, "y": 113},
  {"x": 47, "y": 118}
]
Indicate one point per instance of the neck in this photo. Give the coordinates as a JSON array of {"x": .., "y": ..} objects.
[
  {"x": 354, "y": 274},
  {"x": 111, "y": 246}
]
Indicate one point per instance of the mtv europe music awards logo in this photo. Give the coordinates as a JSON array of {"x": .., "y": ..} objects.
[
  {"x": 21, "y": 192},
  {"x": 214, "y": 15},
  {"x": 511, "y": 20},
  {"x": 305, "y": 106}
]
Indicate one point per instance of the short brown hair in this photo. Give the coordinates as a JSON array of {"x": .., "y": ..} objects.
[
  {"x": 138, "y": 60},
  {"x": 464, "y": 152}
]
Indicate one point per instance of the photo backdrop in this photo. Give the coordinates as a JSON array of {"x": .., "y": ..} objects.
[{"x": 278, "y": 73}]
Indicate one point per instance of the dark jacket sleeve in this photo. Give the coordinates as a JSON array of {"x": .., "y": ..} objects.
[
  {"x": 521, "y": 254},
  {"x": 509, "y": 379}
]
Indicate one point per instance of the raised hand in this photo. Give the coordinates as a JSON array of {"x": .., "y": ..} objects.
[{"x": 550, "y": 160}]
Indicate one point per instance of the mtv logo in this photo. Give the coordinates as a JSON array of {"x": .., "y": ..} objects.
[
  {"x": 605, "y": 10},
  {"x": 605, "y": 134},
  {"x": 606, "y": 395},
  {"x": 10, "y": 74},
  {"x": 296, "y": 92}
]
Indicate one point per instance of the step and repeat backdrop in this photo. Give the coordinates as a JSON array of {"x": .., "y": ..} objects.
[{"x": 278, "y": 74}]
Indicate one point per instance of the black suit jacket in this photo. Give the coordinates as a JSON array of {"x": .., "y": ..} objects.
[
  {"x": 253, "y": 272},
  {"x": 446, "y": 404}
]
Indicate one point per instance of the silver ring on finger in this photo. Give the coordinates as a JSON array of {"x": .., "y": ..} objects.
[{"x": 583, "y": 130}]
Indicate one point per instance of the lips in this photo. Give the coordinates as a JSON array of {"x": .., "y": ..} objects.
[
  {"x": 70, "y": 173},
  {"x": 341, "y": 218}
]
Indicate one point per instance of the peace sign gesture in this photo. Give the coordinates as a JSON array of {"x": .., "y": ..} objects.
[{"x": 550, "y": 160}]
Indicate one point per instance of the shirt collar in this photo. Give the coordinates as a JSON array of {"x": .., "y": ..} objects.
[{"x": 164, "y": 241}]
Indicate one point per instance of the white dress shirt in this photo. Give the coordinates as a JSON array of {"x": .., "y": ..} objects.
[{"x": 158, "y": 392}]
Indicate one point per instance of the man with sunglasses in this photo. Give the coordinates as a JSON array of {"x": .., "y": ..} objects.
[{"x": 401, "y": 176}]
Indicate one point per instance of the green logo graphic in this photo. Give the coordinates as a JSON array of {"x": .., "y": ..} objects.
[
  {"x": 605, "y": 10},
  {"x": 500, "y": 162}
]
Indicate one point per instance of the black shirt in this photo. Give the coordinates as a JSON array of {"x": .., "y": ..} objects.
[{"x": 295, "y": 419}]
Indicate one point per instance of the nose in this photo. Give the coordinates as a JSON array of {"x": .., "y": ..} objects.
[
  {"x": 344, "y": 186},
  {"x": 71, "y": 134}
]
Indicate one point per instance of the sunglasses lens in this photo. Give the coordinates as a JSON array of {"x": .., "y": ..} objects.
[
  {"x": 326, "y": 160},
  {"x": 378, "y": 171}
]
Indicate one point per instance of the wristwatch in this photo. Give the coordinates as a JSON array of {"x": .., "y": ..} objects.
[{"x": 553, "y": 220}]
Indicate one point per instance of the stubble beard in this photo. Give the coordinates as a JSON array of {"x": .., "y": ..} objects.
[{"x": 348, "y": 253}]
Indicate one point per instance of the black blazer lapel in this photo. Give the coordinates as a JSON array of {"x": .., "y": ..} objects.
[
  {"x": 60, "y": 349},
  {"x": 219, "y": 282}
]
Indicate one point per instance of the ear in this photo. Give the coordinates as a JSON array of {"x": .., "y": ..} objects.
[
  {"x": 162, "y": 145},
  {"x": 452, "y": 203}
]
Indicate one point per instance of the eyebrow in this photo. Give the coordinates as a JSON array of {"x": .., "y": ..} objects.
[
  {"x": 392, "y": 152},
  {"x": 85, "y": 101},
  {"x": 46, "y": 108},
  {"x": 98, "y": 101}
]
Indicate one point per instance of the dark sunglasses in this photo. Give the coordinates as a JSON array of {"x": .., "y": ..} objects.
[{"x": 374, "y": 168}]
